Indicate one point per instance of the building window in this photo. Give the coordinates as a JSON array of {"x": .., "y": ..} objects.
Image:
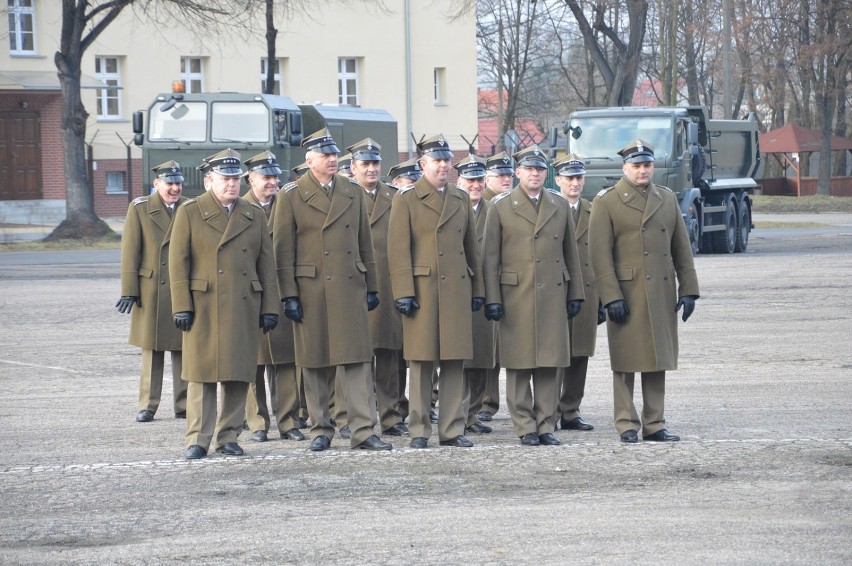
[
  {"x": 107, "y": 70},
  {"x": 115, "y": 183},
  {"x": 192, "y": 74},
  {"x": 21, "y": 26},
  {"x": 347, "y": 81},
  {"x": 440, "y": 85},
  {"x": 276, "y": 79}
]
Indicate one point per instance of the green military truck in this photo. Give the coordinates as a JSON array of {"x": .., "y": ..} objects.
[
  {"x": 709, "y": 164},
  {"x": 189, "y": 127}
]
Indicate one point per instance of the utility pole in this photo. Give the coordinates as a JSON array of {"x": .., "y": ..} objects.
[{"x": 726, "y": 60}]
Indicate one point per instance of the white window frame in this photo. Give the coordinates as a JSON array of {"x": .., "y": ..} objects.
[
  {"x": 439, "y": 83},
  {"x": 276, "y": 78},
  {"x": 347, "y": 80},
  {"x": 187, "y": 75},
  {"x": 17, "y": 9},
  {"x": 113, "y": 189},
  {"x": 112, "y": 92}
]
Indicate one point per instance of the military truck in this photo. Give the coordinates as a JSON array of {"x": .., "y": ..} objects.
[
  {"x": 709, "y": 164},
  {"x": 188, "y": 127}
]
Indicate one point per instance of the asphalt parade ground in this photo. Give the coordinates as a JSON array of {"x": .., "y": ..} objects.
[{"x": 761, "y": 399}]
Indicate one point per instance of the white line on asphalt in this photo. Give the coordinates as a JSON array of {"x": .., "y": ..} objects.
[{"x": 41, "y": 366}]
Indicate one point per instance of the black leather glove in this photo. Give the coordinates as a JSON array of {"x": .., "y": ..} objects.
[
  {"x": 618, "y": 311},
  {"x": 601, "y": 313},
  {"x": 688, "y": 304},
  {"x": 183, "y": 320},
  {"x": 372, "y": 300},
  {"x": 125, "y": 304},
  {"x": 494, "y": 311},
  {"x": 268, "y": 322},
  {"x": 293, "y": 308},
  {"x": 574, "y": 308},
  {"x": 406, "y": 305},
  {"x": 476, "y": 303}
]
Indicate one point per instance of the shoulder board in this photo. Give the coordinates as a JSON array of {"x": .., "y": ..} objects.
[
  {"x": 254, "y": 204},
  {"x": 404, "y": 189},
  {"x": 556, "y": 193},
  {"x": 392, "y": 187},
  {"x": 353, "y": 181},
  {"x": 189, "y": 201},
  {"x": 664, "y": 188},
  {"x": 140, "y": 200},
  {"x": 500, "y": 197},
  {"x": 289, "y": 186},
  {"x": 604, "y": 191}
]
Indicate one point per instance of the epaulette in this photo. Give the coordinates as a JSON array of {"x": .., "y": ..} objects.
[
  {"x": 404, "y": 189},
  {"x": 604, "y": 191},
  {"x": 353, "y": 181},
  {"x": 255, "y": 205},
  {"x": 664, "y": 188},
  {"x": 500, "y": 197},
  {"x": 189, "y": 201},
  {"x": 140, "y": 200},
  {"x": 556, "y": 193},
  {"x": 289, "y": 186},
  {"x": 392, "y": 187}
]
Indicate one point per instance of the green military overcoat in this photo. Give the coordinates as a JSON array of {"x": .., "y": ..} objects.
[
  {"x": 276, "y": 346},
  {"x": 433, "y": 256},
  {"x": 484, "y": 338},
  {"x": 145, "y": 273},
  {"x": 641, "y": 254},
  {"x": 584, "y": 326},
  {"x": 222, "y": 269},
  {"x": 385, "y": 320},
  {"x": 324, "y": 253},
  {"x": 531, "y": 266}
]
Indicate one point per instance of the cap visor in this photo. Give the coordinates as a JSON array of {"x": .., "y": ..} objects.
[
  {"x": 228, "y": 171},
  {"x": 644, "y": 158},
  {"x": 439, "y": 154}
]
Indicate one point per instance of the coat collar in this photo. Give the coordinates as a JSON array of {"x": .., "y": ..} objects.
[
  {"x": 382, "y": 204},
  {"x": 522, "y": 206},
  {"x": 229, "y": 226},
  {"x": 629, "y": 196}
]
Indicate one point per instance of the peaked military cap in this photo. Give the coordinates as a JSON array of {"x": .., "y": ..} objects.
[
  {"x": 531, "y": 156},
  {"x": 344, "y": 164},
  {"x": 471, "y": 167},
  {"x": 321, "y": 142},
  {"x": 435, "y": 147},
  {"x": 570, "y": 166},
  {"x": 264, "y": 163},
  {"x": 226, "y": 162},
  {"x": 366, "y": 150},
  {"x": 500, "y": 164},
  {"x": 169, "y": 172},
  {"x": 637, "y": 151},
  {"x": 300, "y": 170},
  {"x": 408, "y": 169}
]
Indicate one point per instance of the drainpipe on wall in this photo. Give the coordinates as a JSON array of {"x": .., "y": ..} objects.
[{"x": 408, "y": 105}]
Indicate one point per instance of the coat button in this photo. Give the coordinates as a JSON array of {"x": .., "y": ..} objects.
[
  {"x": 443, "y": 276},
  {"x": 440, "y": 253},
  {"x": 645, "y": 253},
  {"x": 163, "y": 263},
  {"x": 162, "y": 282},
  {"x": 221, "y": 271},
  {"x": 439, "y": 230},
  {"x": 647, "y": 277},
  {"x": 328, "y": 276},
  {"x": 537, "y": 260},
  {"x": 325, "y": 253},
  {"x": 245, "y": 272}
]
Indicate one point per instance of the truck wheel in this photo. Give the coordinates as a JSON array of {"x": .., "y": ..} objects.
[
  {"x": 692, "y": 228},
  {"x": 698, "y": 165},
  {"x": 743, "y": 227},
  {"x": 707, "y": 243},
  {"x": 725, "y": 240}
]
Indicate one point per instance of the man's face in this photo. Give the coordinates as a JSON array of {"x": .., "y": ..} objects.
[
  {"x": 571, "y": 186},
  {"x": 264, "y": 187},
  {"x": 472, "y": 187},
  {"x": 403, "y": 181},
  {"x": 169, "y": 192},
  {"x": 499, "y": 183},
  {"x": 531, "y": 179},
  {"x": 436, "y": 171},
  {"x": 226, "y": 189},
  {"x": 639, "y": 174},
  {"x": 367, "y": 172},
  {"x": 322, "y": 165}
]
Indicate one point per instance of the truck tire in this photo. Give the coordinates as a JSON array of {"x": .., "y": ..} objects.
[
  {"x": 724, "y": 241},
  {"x": 707, "y": 243},
  {"x": 743, "y": 227},
  {"x": 698, "y": 165},
  {"x": 693, "y": 229}
]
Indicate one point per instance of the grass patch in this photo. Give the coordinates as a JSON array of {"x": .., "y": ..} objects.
[
  {"x": 815, "y": 204},
  {"x": 112, "y": 242},
  {"x": 764, "y": 225}
]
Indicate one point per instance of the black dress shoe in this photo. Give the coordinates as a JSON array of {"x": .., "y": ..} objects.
[
  {"x": 259, "y": 436},
  {"x": 433, "y": 416},
  {"x": 661, "y": 435},
  {"x": 548, "y": 439},
  {"x": 345, "y": 433},
  {"x": 373, "y": 442},
  {"x": 478, "y": 428},
  {"x": 293, "y": 434},
  {"x": 320, "y": 443},
  {"x": 630, "y": 436},
  {"x": 180, "y": 415},
  {"x": 577, "y": 423},
  {"x": 303, "y": 423},
  {"x": 484, "y": 416},
  {"x": 195, "y": 452},
  {"x": 230, "y": 449},
  {"x": 144, "y": 416},
  {"x": 398, "y": 429},
  {"x": 530, "y": 439},
  {"x": 418, "y": 442},
  {"x": 459, "y": 441}
]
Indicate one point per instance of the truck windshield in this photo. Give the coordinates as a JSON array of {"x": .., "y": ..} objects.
[
  {"x": 186, "y": 122},
  {"x": 603, "y": 137},
  {"x": 243, "y": 121}
]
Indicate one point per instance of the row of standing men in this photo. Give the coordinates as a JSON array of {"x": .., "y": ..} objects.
[{"x": 332, "y": 241}]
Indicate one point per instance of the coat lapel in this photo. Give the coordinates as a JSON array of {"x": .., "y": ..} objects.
[
  {"x": 629, "y": 196},
  {"x": 212, "y": 212},
  {"x": 158, "y": 214},
  {"x": 453, "y": 202},
  {"x": 546, "y": 209},
  {"x": 384, "y": 197},
  {"x": 655, "y": 201},
  {"x": 583, "y": 221},
  {"x": 342, "y": 198},
  {"x": 429, "y": 195},
  {"x": 522, "y": 206},
  {"x": 240, "y": 219},
  {"x": 312, "y": 193}
]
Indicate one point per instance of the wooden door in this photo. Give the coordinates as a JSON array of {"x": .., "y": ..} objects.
[{"x": 20, "y": 151}]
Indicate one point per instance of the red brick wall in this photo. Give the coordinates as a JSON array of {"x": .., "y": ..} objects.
[{"x": 107, "y": 205}]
